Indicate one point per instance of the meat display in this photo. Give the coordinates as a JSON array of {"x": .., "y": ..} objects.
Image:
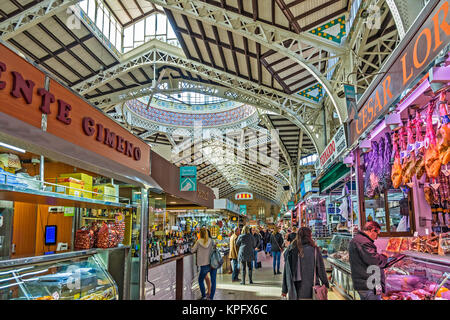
[
  {"x": 432, "y": 160},
  {"x": 419, "y": 150},
  {"x": 371, "y": 180},
  {"x": 396, "y": 174},
  {"x": 410, "y": 163},
  {"x": 443, "y": 134},
  {"x": 385, "y": 180}
]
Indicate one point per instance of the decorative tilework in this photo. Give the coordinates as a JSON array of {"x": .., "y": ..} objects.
[
  {"x": 189, "y": 119},
  {"x": 314, "y": 93},
  {"x": 333, "y": 30}
]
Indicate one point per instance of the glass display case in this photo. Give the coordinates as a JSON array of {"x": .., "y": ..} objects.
[
  {"x": 338, "y": 258},
  {"x": 418, "y": 276},
  {"x": 76, "y": 275}
]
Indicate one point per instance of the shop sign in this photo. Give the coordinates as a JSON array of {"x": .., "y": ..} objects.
[
  {"x": 429, "y": 40},
  {"x": 302, "y": 189},
  {"x": 243, "y": 209},
  {"x": 188, "y": 178},
  {"x": 25, "y": 97},
  {"x": 291, "y": 205},
  {"x": 243, "y": 196},
  {"x": 308, "y": 182},
  {"x": 336, "y": 146}
]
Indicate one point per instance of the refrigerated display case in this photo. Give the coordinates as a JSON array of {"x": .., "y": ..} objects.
[
  {"x": 338, "y": 258},
  {"x": 418, "y": 276},
  {"x": 76, "y": 275}
]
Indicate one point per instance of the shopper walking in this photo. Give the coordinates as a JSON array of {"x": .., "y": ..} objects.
[
  {"x": 258, "y": 245},
  {"x": 268, "y": 235},
  {"x": 234, "y": 255},
  {"x": 276, "y": 245},
  {"x": 262, "y": 233},
  {"x": 246, "y": 243},
  {"x": 303, "y": 263},
  {"x": 364, "y": 260},
  {"x": 204, "y": 247}
]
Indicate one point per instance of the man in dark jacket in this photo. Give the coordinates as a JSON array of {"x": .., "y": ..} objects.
[
  {"x": 366, "y": 264},
  {"x": 258, "y": 246}
]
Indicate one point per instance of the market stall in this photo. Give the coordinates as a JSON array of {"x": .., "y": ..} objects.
[
  {"x": 63, "y": 165},
  {"x": 401, "y": 156}
]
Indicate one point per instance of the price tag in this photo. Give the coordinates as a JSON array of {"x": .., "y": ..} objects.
[
  {"x": 76, "y": 296},
  {"x": 426, "y": 231},
  {"x": 119, "y": 218},
  {"x": 416, "y": 234},
  {"x": 55, "y": 295}
]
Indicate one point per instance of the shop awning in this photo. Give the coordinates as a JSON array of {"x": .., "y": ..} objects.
[
  {"x": 332, "y": 176},
  {"x": 35, "y": 140}
]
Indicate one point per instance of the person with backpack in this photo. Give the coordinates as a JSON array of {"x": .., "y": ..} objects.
[
  {"x": 204, "y": 247},
  {"x": 276, "y": 245},
  {"x": 246, "y": 243},
  {"x": 303, "y": 267}
]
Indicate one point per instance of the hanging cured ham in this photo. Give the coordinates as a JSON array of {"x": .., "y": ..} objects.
[
  {"x": 396, "y": 174},
  {"x": 410, "y": 163},
  {"x": 443, "y": 134},
  {"x": 386, "y": 182},
  {"x": 372, "y": 185},
  {"x": 432, "y": 160},
  {"x": 419, "y": 150}
]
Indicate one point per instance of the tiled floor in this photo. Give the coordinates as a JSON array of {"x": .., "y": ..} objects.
[{"x": 266, "y": 285}]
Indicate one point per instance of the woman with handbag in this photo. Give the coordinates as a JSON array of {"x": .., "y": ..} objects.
[
  {"x": 204, "y": 246},
  {"x": 276, "y": 245},
  {"x": 246, "y": 243},
  {"x": 303, "y": 268}
]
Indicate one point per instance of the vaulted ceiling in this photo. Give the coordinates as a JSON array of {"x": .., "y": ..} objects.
[{"x": 288, "y": 58}]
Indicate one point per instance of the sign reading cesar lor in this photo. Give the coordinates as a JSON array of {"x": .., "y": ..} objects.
[
  {"x": 423, "y": 48},
  {"x": 334, "y": 148}
]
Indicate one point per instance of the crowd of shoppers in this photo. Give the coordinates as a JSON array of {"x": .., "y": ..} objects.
[{"x": 304, "y": 266}]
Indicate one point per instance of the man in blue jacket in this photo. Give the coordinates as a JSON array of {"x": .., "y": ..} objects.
[{"x": 366, "y": 263}]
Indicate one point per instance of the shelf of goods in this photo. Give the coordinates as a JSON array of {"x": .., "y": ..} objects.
[
  {"x": 66, "y": 276},
  {"x": 338, "y": 258},
  {"x": 21, "y": 194}
]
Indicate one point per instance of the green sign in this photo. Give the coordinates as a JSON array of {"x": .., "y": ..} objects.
[
  {"x": 243, "y": 209},
  {"x": 188, "y": 178},
  {"x": 291, "y": 205}
]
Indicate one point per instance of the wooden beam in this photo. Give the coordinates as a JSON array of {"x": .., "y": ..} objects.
[{"x": 316, "y": 9}]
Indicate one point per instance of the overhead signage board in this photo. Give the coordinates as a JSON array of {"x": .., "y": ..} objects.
[
  {"x": 188, "y": 178},
  {"x": 243, "y": 196},
  {"x": 243, "y": 209},
  {"x": 25, "y": 97},
  {"x": 423, "y": 42},
  {"x": 291, "y": 205},
  {"x": 334, "y": 149},
  {"x": 308, "y": 182}
]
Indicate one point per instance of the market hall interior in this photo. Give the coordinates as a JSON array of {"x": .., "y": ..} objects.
[{"x": 136, "y": 137}]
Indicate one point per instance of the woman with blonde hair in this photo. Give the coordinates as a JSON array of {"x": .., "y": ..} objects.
[
  {"x": 246, "y": 243},
  {"x": 204, "y": 247}
]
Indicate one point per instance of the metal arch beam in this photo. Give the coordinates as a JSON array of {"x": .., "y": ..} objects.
[
  {"x": 265, "y": 34},
  {"x": 254, "y": 94},
  {"x": 158, "y": 53},
  {"x": 32, "y": 16}
]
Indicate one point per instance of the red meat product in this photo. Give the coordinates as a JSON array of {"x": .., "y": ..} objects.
[
  {"x": 432, "y": 160},
  {"x": 396, "y": 173},
  {"x": 394, "y": 244},
  {"x": 443, "y": 134},
  {"x": 396, "y": 283},
  {"x": 406, "y": 244},
  {"x": 419, "y": 150},
  {"x": 107, "y": 237},
  {"x": 410, "y": 163}
]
